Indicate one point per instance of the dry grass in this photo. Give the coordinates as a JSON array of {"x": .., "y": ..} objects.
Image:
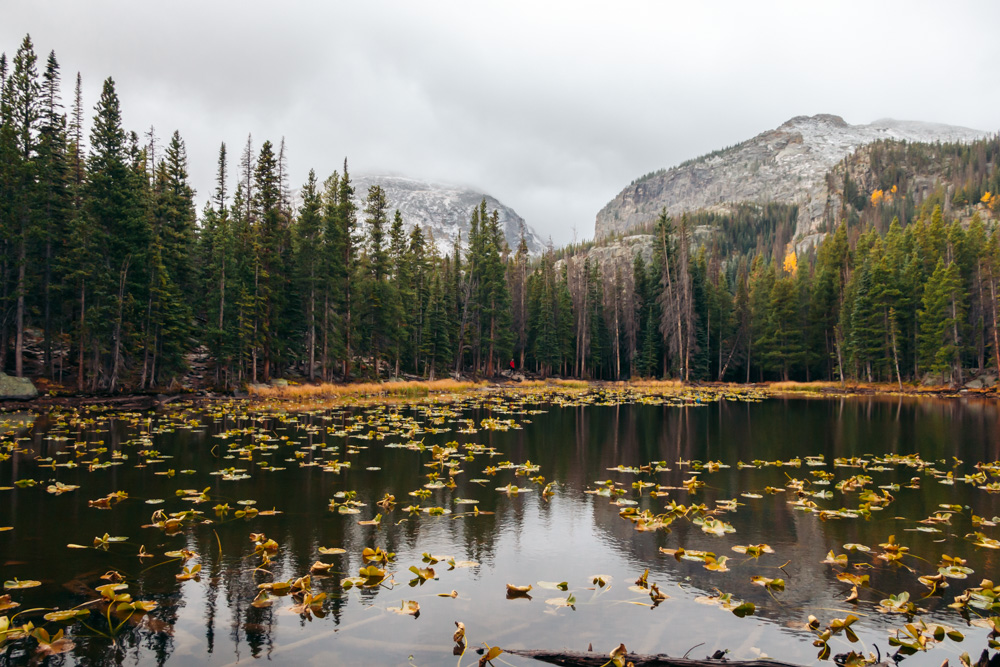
[
  {"x": 569, "y": 384},
  {"x": 866, "y": 387},
  {"x": 358, "y": 389},
  {"x": 656, "y": 384},
  {"x": 806, "y": 386},
  {"x": 549, "y": 383}
]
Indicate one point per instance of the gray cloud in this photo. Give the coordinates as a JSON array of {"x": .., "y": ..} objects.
[{"x": 551, "y": 107}]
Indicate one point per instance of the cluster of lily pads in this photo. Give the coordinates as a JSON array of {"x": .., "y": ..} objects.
[
  {"x": 853, "y": 482},
  {"x": 262, "y": 439}
]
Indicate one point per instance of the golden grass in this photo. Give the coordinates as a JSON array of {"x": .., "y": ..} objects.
[
  {"x": 326, "y": 390},
  {"x": 569, "y": 384},
  {"x": 806, "y": 386},
  {"x": 550, "y": 382},
  {"x": 866, "y": 387},
  {"x": 655, "y": 384}
]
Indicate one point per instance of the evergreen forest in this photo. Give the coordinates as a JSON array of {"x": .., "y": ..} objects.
[{"x": 114, "y": 276}]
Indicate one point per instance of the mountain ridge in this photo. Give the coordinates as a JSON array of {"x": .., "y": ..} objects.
[
  {"x": 788, "y": 164},
  {"x": 444, "y": 210}
]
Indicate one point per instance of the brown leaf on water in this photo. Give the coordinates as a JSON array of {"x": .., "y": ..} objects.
[
  {"x": 516, "y": 592},
  {"x": 491, "y": 653},
  {"x": 618, "y": 655}
]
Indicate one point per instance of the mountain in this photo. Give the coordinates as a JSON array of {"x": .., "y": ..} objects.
[
  {"x": 444, "y": 210},
  {"x": 787, "y": 165}
]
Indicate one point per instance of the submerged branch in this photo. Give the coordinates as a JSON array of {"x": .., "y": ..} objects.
[{"x": 581, "y": 659}]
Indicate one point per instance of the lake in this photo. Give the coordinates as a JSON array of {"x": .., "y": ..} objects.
[{"x": 668, "y": 484}]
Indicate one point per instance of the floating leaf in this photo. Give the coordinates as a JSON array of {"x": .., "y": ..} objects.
[
  {"x": 330, "y": 551},
  {"x": 68, "y": 615},
  {"x": 619, "y": 655},
  {"x": 554, "y": 586},
  {"x": 423, "y": 574},
  {"x": 770, "y": 584},
  {"x": 518, "y": 591},
  {"x": 491, "y": 653},
  {"x": 755, "y": 550},
  {"x": 832, "y": 559},
  {"x": 407, "y": 608}
]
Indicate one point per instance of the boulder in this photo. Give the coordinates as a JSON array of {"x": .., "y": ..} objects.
[
  {"x": 16, "y": 388},
  {"x": 279, "y": 382},
  {"x": 933, "y": 380},
  {"x": 974, "y": 384}
]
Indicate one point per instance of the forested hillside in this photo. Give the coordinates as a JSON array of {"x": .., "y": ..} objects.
[{"x": 109, "y": 264}]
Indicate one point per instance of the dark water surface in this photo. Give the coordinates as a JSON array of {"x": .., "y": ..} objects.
[{"x": 521, "y": 538}]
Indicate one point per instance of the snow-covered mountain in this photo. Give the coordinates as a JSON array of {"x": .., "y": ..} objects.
[
  {"x": 443, "y": 210},
  {"x": 785, "y": 165}
]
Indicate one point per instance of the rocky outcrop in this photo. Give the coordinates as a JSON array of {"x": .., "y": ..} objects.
[
  {"x": 619, "y": 253},
  {"x": 786, "y": 165},
  {"x": 14, "y": 388},
  {"x": 444, "y": 210}
]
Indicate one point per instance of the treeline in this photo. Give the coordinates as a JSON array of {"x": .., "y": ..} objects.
[
  {"x": 913, "y": 303},
  {"x": 102, "y": 252},
  {"x": 105, "y": 259}
]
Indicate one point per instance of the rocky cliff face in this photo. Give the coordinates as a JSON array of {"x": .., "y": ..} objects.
[
  {"x": 786, "y": 165},
  {"x": 444, "y": 210}
]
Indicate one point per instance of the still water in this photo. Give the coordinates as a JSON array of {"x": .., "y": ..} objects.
[{"x": 294, "y": 464}]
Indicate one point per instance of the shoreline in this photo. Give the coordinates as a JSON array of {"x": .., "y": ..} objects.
[{"x": 418, "y": 389}]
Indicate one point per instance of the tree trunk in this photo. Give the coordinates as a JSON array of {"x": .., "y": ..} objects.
[
  {"x": 312, "y": 333},
  {"x": 116, "y": 355},
  {"x": 954, "y": 329},
  {"x": 996, "y": 336},
  {"x": 47, "y": 315},
  {"x": 222, "y": 312},
  {"x": 83, "y": 340},
  {"x": 22, "y": 257}
]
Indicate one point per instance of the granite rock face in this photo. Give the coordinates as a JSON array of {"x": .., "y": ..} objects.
[
  {"x": 785, "y": 165},
  {"x": 443, "y": 210},
  {"x": 16, "y": 388}
]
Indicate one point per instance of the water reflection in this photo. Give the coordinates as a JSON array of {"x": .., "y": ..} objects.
[{"x": 517, "y": 539}]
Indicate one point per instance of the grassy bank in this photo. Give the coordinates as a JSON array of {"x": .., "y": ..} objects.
[
  {"x": 870, "y": 388},
  {"x": 364, "y": 389}
]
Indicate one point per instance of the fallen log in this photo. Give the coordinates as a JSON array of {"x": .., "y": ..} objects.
[{"x": 581, "y": 659}]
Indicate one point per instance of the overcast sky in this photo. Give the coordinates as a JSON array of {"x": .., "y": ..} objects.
[{"x": 552, "y": 107}]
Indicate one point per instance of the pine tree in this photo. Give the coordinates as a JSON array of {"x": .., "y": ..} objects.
[
  {"x": 217, "y": 247},
  {"x": 420, "y": 263},
  {"x": 331, "y": 269},
  {"x": 24, "y": 100},
  {"x": 309, "y": 251},
  {"x": 349, "y": 270},
  {"x": 940, "y": 319},
  {"x": 52, "y": 204},
  {"x": 399, "y": 291},
  {"x": 376, "y": 274},
  {"x": 438, "y": 341},
  {"x": 782, "y": 342},
  {"x": 120, "y": 232}
]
